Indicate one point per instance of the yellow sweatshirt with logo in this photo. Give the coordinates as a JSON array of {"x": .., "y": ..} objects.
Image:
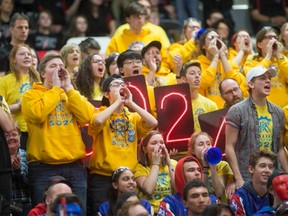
[{"x": 53, "y": 118}]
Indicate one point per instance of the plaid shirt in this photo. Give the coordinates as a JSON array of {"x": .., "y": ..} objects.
[{"x": 20, "y": 188}]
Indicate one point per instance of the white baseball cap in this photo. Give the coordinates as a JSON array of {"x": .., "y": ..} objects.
[{"x": 258, "y": 71}]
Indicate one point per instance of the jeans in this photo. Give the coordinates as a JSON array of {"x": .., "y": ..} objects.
[
  {"x": 186, "y": 9},
  {"x": 39, "y": 173},
  {"x": 97, "y": 192}
]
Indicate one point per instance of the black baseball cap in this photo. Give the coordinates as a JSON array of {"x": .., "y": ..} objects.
[
  {"x": 151, "y": 44},
  {"x": 56, "y": 180}
]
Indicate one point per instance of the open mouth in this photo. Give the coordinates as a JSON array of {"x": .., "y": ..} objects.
[
  {"x": 136, "y": 71},
  {"x": 267, "y": 87},
  {"x": 75, "y": 59},
  {"x": 122, "y": 94}
]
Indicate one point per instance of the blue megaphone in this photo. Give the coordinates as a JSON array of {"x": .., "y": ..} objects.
[{"x": 213, "y": 155}]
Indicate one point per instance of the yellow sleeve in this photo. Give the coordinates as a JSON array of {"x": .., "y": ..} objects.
[
  {"x": 81, "y": 108},
  {"x": 37, "y": 105}
]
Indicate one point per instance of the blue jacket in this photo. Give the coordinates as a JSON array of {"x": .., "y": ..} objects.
[
  {"x": 265, "y": 211},
  {"x": 245, "y": 200},
  {"x": 104, "y": 207}
]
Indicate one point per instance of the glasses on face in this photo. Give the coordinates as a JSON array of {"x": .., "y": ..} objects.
[
  {"x": 270, "y": 37},
  {"x": 118, "y": 172},
  {"x": 97, "y": 61},
  {"x": 211, "y": 37},
  {"x": 130, "y": 62},
  {"x": 235, "y": 89},
  {"x": 117, "y": 84}
]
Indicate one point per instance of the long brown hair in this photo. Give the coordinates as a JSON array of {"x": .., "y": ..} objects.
[
  {"x": 143, "y": 157},
  {"x": 33, "y": 74}
]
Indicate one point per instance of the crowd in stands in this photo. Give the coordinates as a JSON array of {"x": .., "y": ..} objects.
[{"x": 53, "y": 93}]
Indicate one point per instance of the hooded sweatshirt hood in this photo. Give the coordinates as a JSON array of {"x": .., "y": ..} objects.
[{"x": 180, "y": 179}]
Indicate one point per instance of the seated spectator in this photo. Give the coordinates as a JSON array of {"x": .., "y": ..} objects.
[
  {"x": 217, "y": 177},
  {"x": 122, "y": 182},
  {"x": 114, "y": 124},
  {"x": 78, "y": 27},
  {"x": 68, "y": 204},
  {"x": 111, "y": 64},
  {"x": 132, "y": 208},
  {"x": 19, "y": 29},
  {"x": 71, "y": 55},
  {"x": 101, "y": 21},
  {"x": 254, "y": 195},
  {"x": 196, "y": 197},
  {"x": 154, "y": 174},
  {"x": 155, "y": 73},
  {"x": 217, "y": 210},
  {"x": 137, "y": 35},
  {"x": 148, "y": 24},
  {"x": 55, "y": 185},
  {"x": 91, "y": 76},
  {"x": 6, "y": 10},
  {"x": 44, "y": 38},
  {"x": 20, "y": 188},
  {"x": 230, "y": 92},
  {"x": 222, "y": 28},
  {"x": 241, "y": 47},
  {"x": 191, "y": 73},
  {"x": 89, "y": 46},
  {"x": 267, "y": 13},
  {"x": 277, "y": 186},
  {"x": 61, "y": 12},
  {"x": 187, "y": 169}
]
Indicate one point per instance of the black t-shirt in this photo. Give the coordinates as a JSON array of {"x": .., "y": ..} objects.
[
  {"x": 41, "y": 41},
  {"x": 5, "y": 161},
  {"x": 270, "y": 7}
]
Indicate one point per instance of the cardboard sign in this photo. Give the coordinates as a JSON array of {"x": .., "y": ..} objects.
[
  {"x": 213, "y": 123},
  {"x": 138, "y": 88},
  {"x": 174, "y": 114}
]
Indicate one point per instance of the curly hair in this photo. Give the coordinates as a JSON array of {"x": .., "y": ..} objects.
[{"x": 85, "y": 78}]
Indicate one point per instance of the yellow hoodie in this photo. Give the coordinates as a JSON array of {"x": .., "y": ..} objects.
[{"x": 52, "y": 118}]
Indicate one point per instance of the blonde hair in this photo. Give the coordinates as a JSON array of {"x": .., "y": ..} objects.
[
  {"x": 33, "y": 74},
  {"x": 65, "y": 50}
]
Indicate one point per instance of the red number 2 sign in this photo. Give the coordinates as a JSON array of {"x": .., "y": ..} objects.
[{"x": 174, "y": 113}]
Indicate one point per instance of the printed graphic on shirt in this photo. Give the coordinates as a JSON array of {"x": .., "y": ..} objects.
[
  {"x": 62, "y": 117},
  {"x": 137, "y": 45},
  {"x": 123, "y": 132},
  {"x": 265, "y": 131},
  {"x": 25, "y": 87},
  {"x": 163, "y": 187}
]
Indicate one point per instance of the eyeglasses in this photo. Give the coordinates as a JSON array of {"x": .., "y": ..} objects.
[
  {"x": 117, "y": 84},
  {"x": 211, "y": 37},
  {"x": 130, "y": 62},
  {"x": 118, "y": 171},
  {"x": 235, "y": 89},
  {"x": 97, "y": 61},
  {"x": 270, "y": 37}
]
